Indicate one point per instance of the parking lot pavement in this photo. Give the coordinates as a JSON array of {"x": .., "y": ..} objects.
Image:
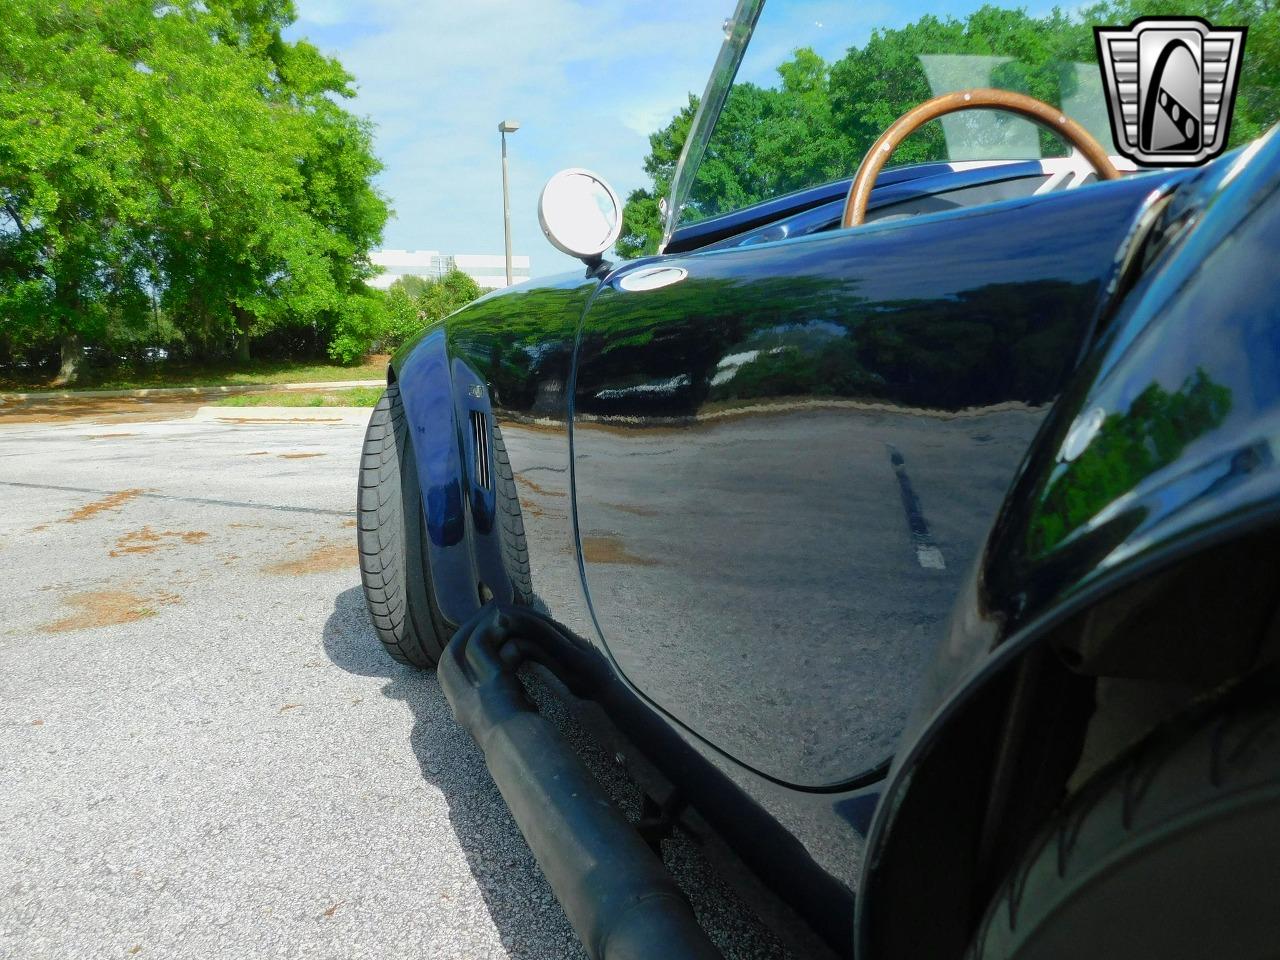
[{"x": 203, "y": 749}]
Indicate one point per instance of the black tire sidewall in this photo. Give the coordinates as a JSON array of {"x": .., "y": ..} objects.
[
  {"x": 1171, "y": 854},
  {"x": 393, "y": 541}
]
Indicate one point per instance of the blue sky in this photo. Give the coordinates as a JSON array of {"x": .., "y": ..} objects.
[{"x": 587, "y": 79}]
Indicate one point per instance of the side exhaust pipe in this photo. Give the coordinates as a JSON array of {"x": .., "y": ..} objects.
[{"x": 620, "y": 899}]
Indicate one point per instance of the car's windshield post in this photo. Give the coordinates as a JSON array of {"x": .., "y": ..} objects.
[{"x": 737, "y": 33}]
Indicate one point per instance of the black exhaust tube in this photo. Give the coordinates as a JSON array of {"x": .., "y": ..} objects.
[{"x": 621, "y": 901}]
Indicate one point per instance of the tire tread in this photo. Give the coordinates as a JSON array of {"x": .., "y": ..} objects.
[
  {"x": 1188, "y": 768},
  {"x": 394, "y": 569}
]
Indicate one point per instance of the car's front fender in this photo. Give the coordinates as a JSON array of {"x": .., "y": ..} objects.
[
  {"x": 506, "y": 355},
  {"x": 426, "y": 385}
]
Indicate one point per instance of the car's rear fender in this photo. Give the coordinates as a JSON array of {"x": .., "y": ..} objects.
[{"x": 1130, "y": 574}]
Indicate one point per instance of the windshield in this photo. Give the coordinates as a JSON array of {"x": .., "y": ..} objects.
[
  {"x": 820, "y": 81},
  {"x": 738, "y": 30}
]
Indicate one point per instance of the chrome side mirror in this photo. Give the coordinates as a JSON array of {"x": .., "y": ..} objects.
[{"x": 580, "y": 214}]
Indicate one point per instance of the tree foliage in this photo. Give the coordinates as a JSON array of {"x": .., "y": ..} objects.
[
  {"x": 1130, "y": 446},
  {"x": 383, "y": 320},
  {"x": 818, "y": 120},
  {"x": 178, "y": 159}
]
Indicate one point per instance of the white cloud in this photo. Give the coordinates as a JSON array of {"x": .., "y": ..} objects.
[{"x": 588, "y": 81}]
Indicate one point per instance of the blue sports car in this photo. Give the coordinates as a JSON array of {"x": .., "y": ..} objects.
[{"x": 911, "y": 534}]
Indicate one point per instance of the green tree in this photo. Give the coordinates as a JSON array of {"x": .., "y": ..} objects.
[
  {"x": 72, "y": 256},
  {"x": 641, "y": 220},
  {"x": 453, "y": 291},
  {"x": 388, "y": 319},
  {"x": 182, "y": 155},
  {"x": 641, "y": 225},
  {"x": 817, "y": 122}
]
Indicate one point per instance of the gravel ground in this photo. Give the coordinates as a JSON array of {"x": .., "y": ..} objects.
[{"x": 204, "y": 751}]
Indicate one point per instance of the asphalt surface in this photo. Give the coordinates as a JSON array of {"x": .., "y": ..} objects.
[{"x": 203, "y": 750}]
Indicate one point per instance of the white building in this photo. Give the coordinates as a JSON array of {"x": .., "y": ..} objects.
[{"x": 490, "y": 272}]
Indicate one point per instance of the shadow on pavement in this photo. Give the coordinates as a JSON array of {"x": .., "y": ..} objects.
[
  {"x": 519, "y": 900},
  {"x": 517, "y": 896}
]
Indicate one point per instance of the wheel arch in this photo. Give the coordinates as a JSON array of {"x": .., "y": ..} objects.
[
  {"x": 421, "y": 370},
  {"x": 1132, "y": 570},
  {"x": 1034, "y": 721}
]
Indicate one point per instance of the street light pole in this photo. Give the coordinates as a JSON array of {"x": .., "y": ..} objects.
[{"x": 505, "y": 127}]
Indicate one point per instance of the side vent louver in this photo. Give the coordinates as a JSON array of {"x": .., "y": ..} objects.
[{"x": 480, "y": 442}]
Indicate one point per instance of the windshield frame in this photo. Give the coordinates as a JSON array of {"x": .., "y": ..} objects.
[{"x": 737, "y": 34}]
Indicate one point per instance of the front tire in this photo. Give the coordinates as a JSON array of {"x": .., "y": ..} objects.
[
  {"x": 1173, "y": 853},
  {"x": 515, "y": 550},
  {"x": 392, "y": 537}
]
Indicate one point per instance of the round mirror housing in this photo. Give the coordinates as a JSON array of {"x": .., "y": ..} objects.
[{"x": 580, "y": 214}]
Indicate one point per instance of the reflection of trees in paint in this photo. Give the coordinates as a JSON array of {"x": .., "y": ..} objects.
[
  {"x": 664, "y": 353},
  {"x": 1129, "y": 447},
  {"x": 994, "y": 343},
  {"x": 722, "y": 340},
  {"x": 521, "y": 343},
  {"x": 725, "y": 339},
  {"x": 828, "y": 369}
]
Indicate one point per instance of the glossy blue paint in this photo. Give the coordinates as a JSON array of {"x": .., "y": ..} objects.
[
  {"x": 471, "y": 395},
  {"x": 427, "y": 391},
  {"x": 864, "y": 345},
  {"x": 499, "y": 356},
  {"x": 1163, "y": 446},
  {"x": 760, "y": 419}
]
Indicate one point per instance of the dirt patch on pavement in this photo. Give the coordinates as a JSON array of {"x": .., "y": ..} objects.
[
  {"x": 252, "y": 420},
  {"x": 112, "y": 501},
  {"x": 633, "y": 509},
  {"x": 531, "y": 508},
  {"x": 106, "y": 608},
  {"x": 536, "y": 488},
  {"x": 101, "y": 410},
  {"x": 609, "y": 548},
  {"x": 147, "y": 540},
  {"x": 299, "y": 456},
  {"x": 325, "y": 558}
]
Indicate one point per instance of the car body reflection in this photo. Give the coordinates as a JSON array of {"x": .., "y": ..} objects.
[{"x": 784, "y": 463}]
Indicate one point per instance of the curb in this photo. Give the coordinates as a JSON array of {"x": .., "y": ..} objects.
[
  {"x": 254, "y": 415},
  {"x": 184, "y": 391}
]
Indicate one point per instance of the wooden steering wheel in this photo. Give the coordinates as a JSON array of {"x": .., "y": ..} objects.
[{"x": 1037, "y": 111}]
